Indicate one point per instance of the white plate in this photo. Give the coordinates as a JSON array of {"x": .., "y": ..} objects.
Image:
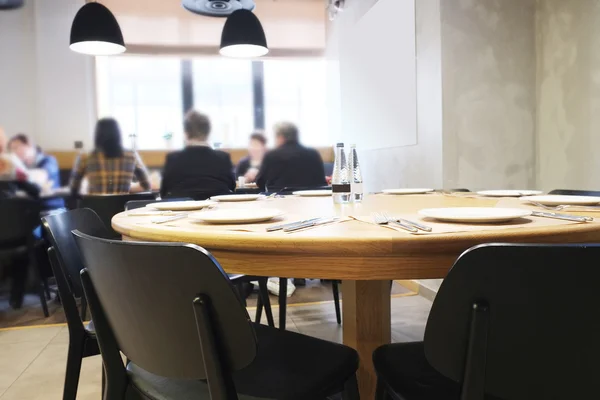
[
  {"x": 237, "y": 197},
  {"x": 236, "y": 216},
  {"x": 181, "y": 205},
  {"x": 313, "y": 193},
  {"x": 407, "y": 191},
  {"x": 509, "y": 193},
  {"x": 475, "y": 214},
  {"x": 558, "y": 200}
]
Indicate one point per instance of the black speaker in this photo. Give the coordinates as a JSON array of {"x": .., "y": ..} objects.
[{"x": 10, "y": 4}]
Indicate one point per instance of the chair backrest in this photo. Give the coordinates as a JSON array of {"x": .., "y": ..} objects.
[
  {"x": 107, "y": 206},
  {"x": 572, "y": 192},
  {"x": 147, "y": 290},
  {"x": 18, "y": 218},
  {"x": 525, "y": 338},
  {"x": 135, "y": 204},
  {"x": 58, "y": 228}
]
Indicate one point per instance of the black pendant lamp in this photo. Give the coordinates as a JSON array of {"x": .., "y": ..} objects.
[
  {"x": 243, "y": 36},
  {"x": 95, "y": 31}
]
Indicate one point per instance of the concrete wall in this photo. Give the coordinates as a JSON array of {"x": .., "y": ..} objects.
[
  {"x": 46, "y": 90},
  {"x": 489, "y": 102},
  {"x": 568, "y": 119}
]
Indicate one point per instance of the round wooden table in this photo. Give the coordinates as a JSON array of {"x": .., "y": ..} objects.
[{"x": 365, "y": 256}]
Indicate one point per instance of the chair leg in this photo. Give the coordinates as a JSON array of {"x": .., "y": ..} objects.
[
  {"x": 46, "y": 289},
  {"x": 336, "y": 301},
  {"x": 259, "y": 308},
  {"x": 83, "y": 308},
  {"x": 282, "y": 302},
  {"x": 74, "y": 359},
  {"x": 351, "y": 389},
  {"x": 40, "y": 283},
  {"x": 380, "y": 392},
  {"x": 265, "y": 302}
]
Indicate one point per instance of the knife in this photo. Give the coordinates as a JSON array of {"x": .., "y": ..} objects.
[
  {"x": 310, "y": 224},
  {"x": 290, "y": 224},
  {"x": 565, "y": 217}
]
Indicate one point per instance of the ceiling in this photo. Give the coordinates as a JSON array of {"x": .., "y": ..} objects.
[{"x": 289, "y": 24}]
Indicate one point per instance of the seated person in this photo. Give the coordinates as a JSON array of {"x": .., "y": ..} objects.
[
  {"x": 109, "y": 169},
  {"x": 44, "y": 166},
  {"x": 290, "y": 164},
  {"x": 248, "y": 166},
  {"x": 13, "y": 173},
  {"x": 197, "y": 171}
]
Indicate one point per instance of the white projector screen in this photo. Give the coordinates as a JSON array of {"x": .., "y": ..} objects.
[{"x": 378, "y": 77}]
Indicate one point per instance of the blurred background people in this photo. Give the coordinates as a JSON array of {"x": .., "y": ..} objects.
[
  {"x": 43, "y": 168},
  {"x": 290, "y": 164},
  {"x": 249, "y": 166},
  {"x": 109, "y": 168},
  {"x": 197, "y": 171}
]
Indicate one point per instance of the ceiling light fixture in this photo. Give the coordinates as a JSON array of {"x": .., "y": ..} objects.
[
  {"x": 95, "y": 31},
  {"x": 243, "y": 36}
]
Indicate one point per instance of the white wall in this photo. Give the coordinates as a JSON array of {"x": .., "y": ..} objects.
[
  {"x": 399, "y": 163},
  {"x": 47, "y": 91}
]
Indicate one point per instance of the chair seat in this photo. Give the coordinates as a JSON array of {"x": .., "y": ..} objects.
[
  {"x": 288, "y": 365},
  {"x": 159, "y": 388},
  {"x": 405, "y": 370}
]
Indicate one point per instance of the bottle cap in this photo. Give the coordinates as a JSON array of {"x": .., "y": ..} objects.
[
  {"x": 352, "y": 145},
  {"x": 339, "y": 145}
]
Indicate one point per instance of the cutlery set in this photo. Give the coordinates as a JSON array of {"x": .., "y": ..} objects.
[
  {"x": 384, "y": 219},
  {"x": 304, "y": 224}
]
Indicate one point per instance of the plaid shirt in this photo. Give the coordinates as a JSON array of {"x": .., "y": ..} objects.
[{"x": 109, "y": 175}]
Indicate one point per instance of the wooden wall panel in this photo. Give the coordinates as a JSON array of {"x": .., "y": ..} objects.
[{"x": 156, "y": 158}]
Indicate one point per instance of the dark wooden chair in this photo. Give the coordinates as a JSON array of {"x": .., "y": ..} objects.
[
  {"x": 135, "y": 204},
  {"x": 499, "y": 330},
  {"x": 237, "y": 280},
  {"x": 19, "y": 218},
  {"x": 66, "y": 263},
  {"x": 107, "y": 206},
  {"x": 183, "y": 325},
  {"x": 570, "y": 192},
  {"x": 283, "y": 282}
]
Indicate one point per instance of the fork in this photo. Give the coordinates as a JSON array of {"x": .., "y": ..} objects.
[
  {"x": 420, "y": 227},
  {"x": 383, "y": 220}
]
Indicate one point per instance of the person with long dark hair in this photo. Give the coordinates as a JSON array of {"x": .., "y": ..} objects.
[{"x": 109, "y": 168}]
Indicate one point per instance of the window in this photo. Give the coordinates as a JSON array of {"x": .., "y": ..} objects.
[
  {"x": 223, "y": 90},
  {"x": 295, "y": 91},
  {"x": 146, "y": 95}
]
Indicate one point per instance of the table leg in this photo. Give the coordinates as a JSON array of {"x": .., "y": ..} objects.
[{"x": 367, "y": 325}]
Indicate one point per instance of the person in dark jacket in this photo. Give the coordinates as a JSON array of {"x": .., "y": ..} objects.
[
  {"x": 290, "y": 164},
  {"x": 197, "y": 171},
  {"x": 43, "y": 165},
  {"x": 249, "y": 166}
]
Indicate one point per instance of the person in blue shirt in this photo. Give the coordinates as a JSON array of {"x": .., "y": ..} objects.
[{"x": 43, "y": 166}]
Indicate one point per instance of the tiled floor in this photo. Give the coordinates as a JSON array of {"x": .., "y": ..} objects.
[{"x": 32, "y": 360}]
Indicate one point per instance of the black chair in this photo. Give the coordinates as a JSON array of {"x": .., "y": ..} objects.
[
  {"x": 135, "y": 204},
  {"x": 237, "y": 280},
  {"x": 570, "y": 192},
  {"x": 106, "y": 206},
  {"x": 182, "y": 325},
  {"x": 498, "y": 330},
  {"x": 283, "y": 282},
  {"x": 18, "y": 219},
  {"x": 66, "y": 263}
]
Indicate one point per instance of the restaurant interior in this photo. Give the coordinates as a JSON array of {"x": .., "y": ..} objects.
[{"x": 299, "y": 199}]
